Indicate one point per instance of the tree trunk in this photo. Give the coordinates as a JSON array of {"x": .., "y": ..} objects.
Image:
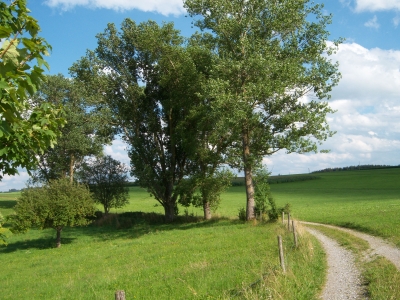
[
  {"x": 248, "y": 177},
  {"x": 71, "y": 168},
  {"x": 207, "y": 210},
  {"x": 58, "y": 239},
  {"x": 169, "y": 209}
]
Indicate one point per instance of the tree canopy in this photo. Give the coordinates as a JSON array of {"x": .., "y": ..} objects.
[
  {"x": 107, "y": 179},
  {"x": 271, "y": 69},
  {"x": 25, "y": 129},
  {"x": 56, "y": 205},
  {"x": 149, "y": 78},
  {"x": 85, "y": 133}
]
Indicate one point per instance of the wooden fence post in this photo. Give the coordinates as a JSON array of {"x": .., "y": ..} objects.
[
  {"x": 294, "y": 234},
  {"x": 281, "y": 258},
  {"x": 120, "y": 295}
]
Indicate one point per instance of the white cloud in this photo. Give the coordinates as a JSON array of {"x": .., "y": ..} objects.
[
  {"x": 367, "y": 101},
  {"x": 396, "y": 21},
  {"x": 373, "y": 23},
  {"x": 165, "y": 7},
  {"x": 118, "y": 150},
  {"x": 371, "y": 76},
  {"x": 14, "y": 182},
  {"x": 377, "y": 5}
]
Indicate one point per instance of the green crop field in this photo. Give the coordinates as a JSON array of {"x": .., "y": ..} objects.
[{"x": 192, "y": 259}]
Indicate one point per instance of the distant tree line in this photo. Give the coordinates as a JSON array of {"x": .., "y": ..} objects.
[{"x": 359, "y": 167}]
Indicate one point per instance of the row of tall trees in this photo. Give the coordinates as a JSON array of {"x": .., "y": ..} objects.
[
  {"x": 229, "y": 95},
  {"x": 251, "y": 82}
]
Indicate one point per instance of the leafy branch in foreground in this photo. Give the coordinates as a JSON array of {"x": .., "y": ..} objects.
[{"x": 25, "y": 129}]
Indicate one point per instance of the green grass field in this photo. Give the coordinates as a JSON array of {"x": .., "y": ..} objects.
[
  {"x": 366, "y": 200},
  {"x": 218, "y": 259}
]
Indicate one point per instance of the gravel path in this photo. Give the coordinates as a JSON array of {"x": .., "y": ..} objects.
[
  {"x": 343, "y": 278},
  {"x": 378, "y": 246}
]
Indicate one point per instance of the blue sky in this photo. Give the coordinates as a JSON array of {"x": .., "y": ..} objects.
[{"x": 367, "y": 99}]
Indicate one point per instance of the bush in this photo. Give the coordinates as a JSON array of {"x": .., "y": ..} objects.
[
  {"x": 242, "y": 214},
  {"x": 4, "y": 232},
  {"x": 56, "y": 205}
]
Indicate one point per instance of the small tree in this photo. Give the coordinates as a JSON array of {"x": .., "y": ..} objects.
[
  {"x": 57, "y": 204},
  {"x": 264, "y": 203},
  {"x": 3, "y": 232},
  {"x": 204, "y": 190},
  {"x": 107, "y": 179}
]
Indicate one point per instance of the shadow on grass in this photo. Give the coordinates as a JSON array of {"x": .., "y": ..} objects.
[
  {"x": 7, "y": 204},
  {"x": 131, "y": 225},
  {"x": 38, "y": 244},
  {"x": 358, "y": 227}
]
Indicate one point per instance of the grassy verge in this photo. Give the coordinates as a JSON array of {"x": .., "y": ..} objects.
[{"x": 382, "y": 278}]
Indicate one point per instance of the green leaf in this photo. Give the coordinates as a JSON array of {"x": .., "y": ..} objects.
[{"x": 5, "y": 32}]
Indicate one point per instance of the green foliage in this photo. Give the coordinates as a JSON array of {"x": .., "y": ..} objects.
[
  {"x": 84, "y": 134},
  {"x": 204, "y": 190},
  {"x": 107, "y": 179},
  {"x": 262, "y": 195},
  {"x": 242, "y": 214},
  {"x": 150, "y": 90},
  {"x": 269, "y": 55},
  {"x": 25, "y": 130},
  {"x": 57, "y": 204},
  {"x": 4, "y": 232}
]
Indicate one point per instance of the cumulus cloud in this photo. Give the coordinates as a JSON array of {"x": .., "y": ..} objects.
[
  {"x": 368, "y": 75},
  {"x": 118, "y": 150},
  {"x": 165, "y": 7},
  {"x": 367, "y": 101},
  {"x": 373, "y": 23},
  {"x": 14, "y": 182},
  {"x": 377, "y": 5}
]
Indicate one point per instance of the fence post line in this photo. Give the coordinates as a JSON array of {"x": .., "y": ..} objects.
[
  {"x": 120, "y": 295},
  {"x": 281, "y": 257}
]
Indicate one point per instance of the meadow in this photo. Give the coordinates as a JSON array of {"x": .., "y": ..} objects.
[{"x": 192, "y": 259}]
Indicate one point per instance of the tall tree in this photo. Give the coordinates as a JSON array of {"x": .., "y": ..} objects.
[
  {"x": 25, "y": 130},
  {"x": 107, "y": 179},
  {"x": 84, "y": 134},
  {"x": 149, "y": 81},
  {"x": 271, "y": 56}
]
